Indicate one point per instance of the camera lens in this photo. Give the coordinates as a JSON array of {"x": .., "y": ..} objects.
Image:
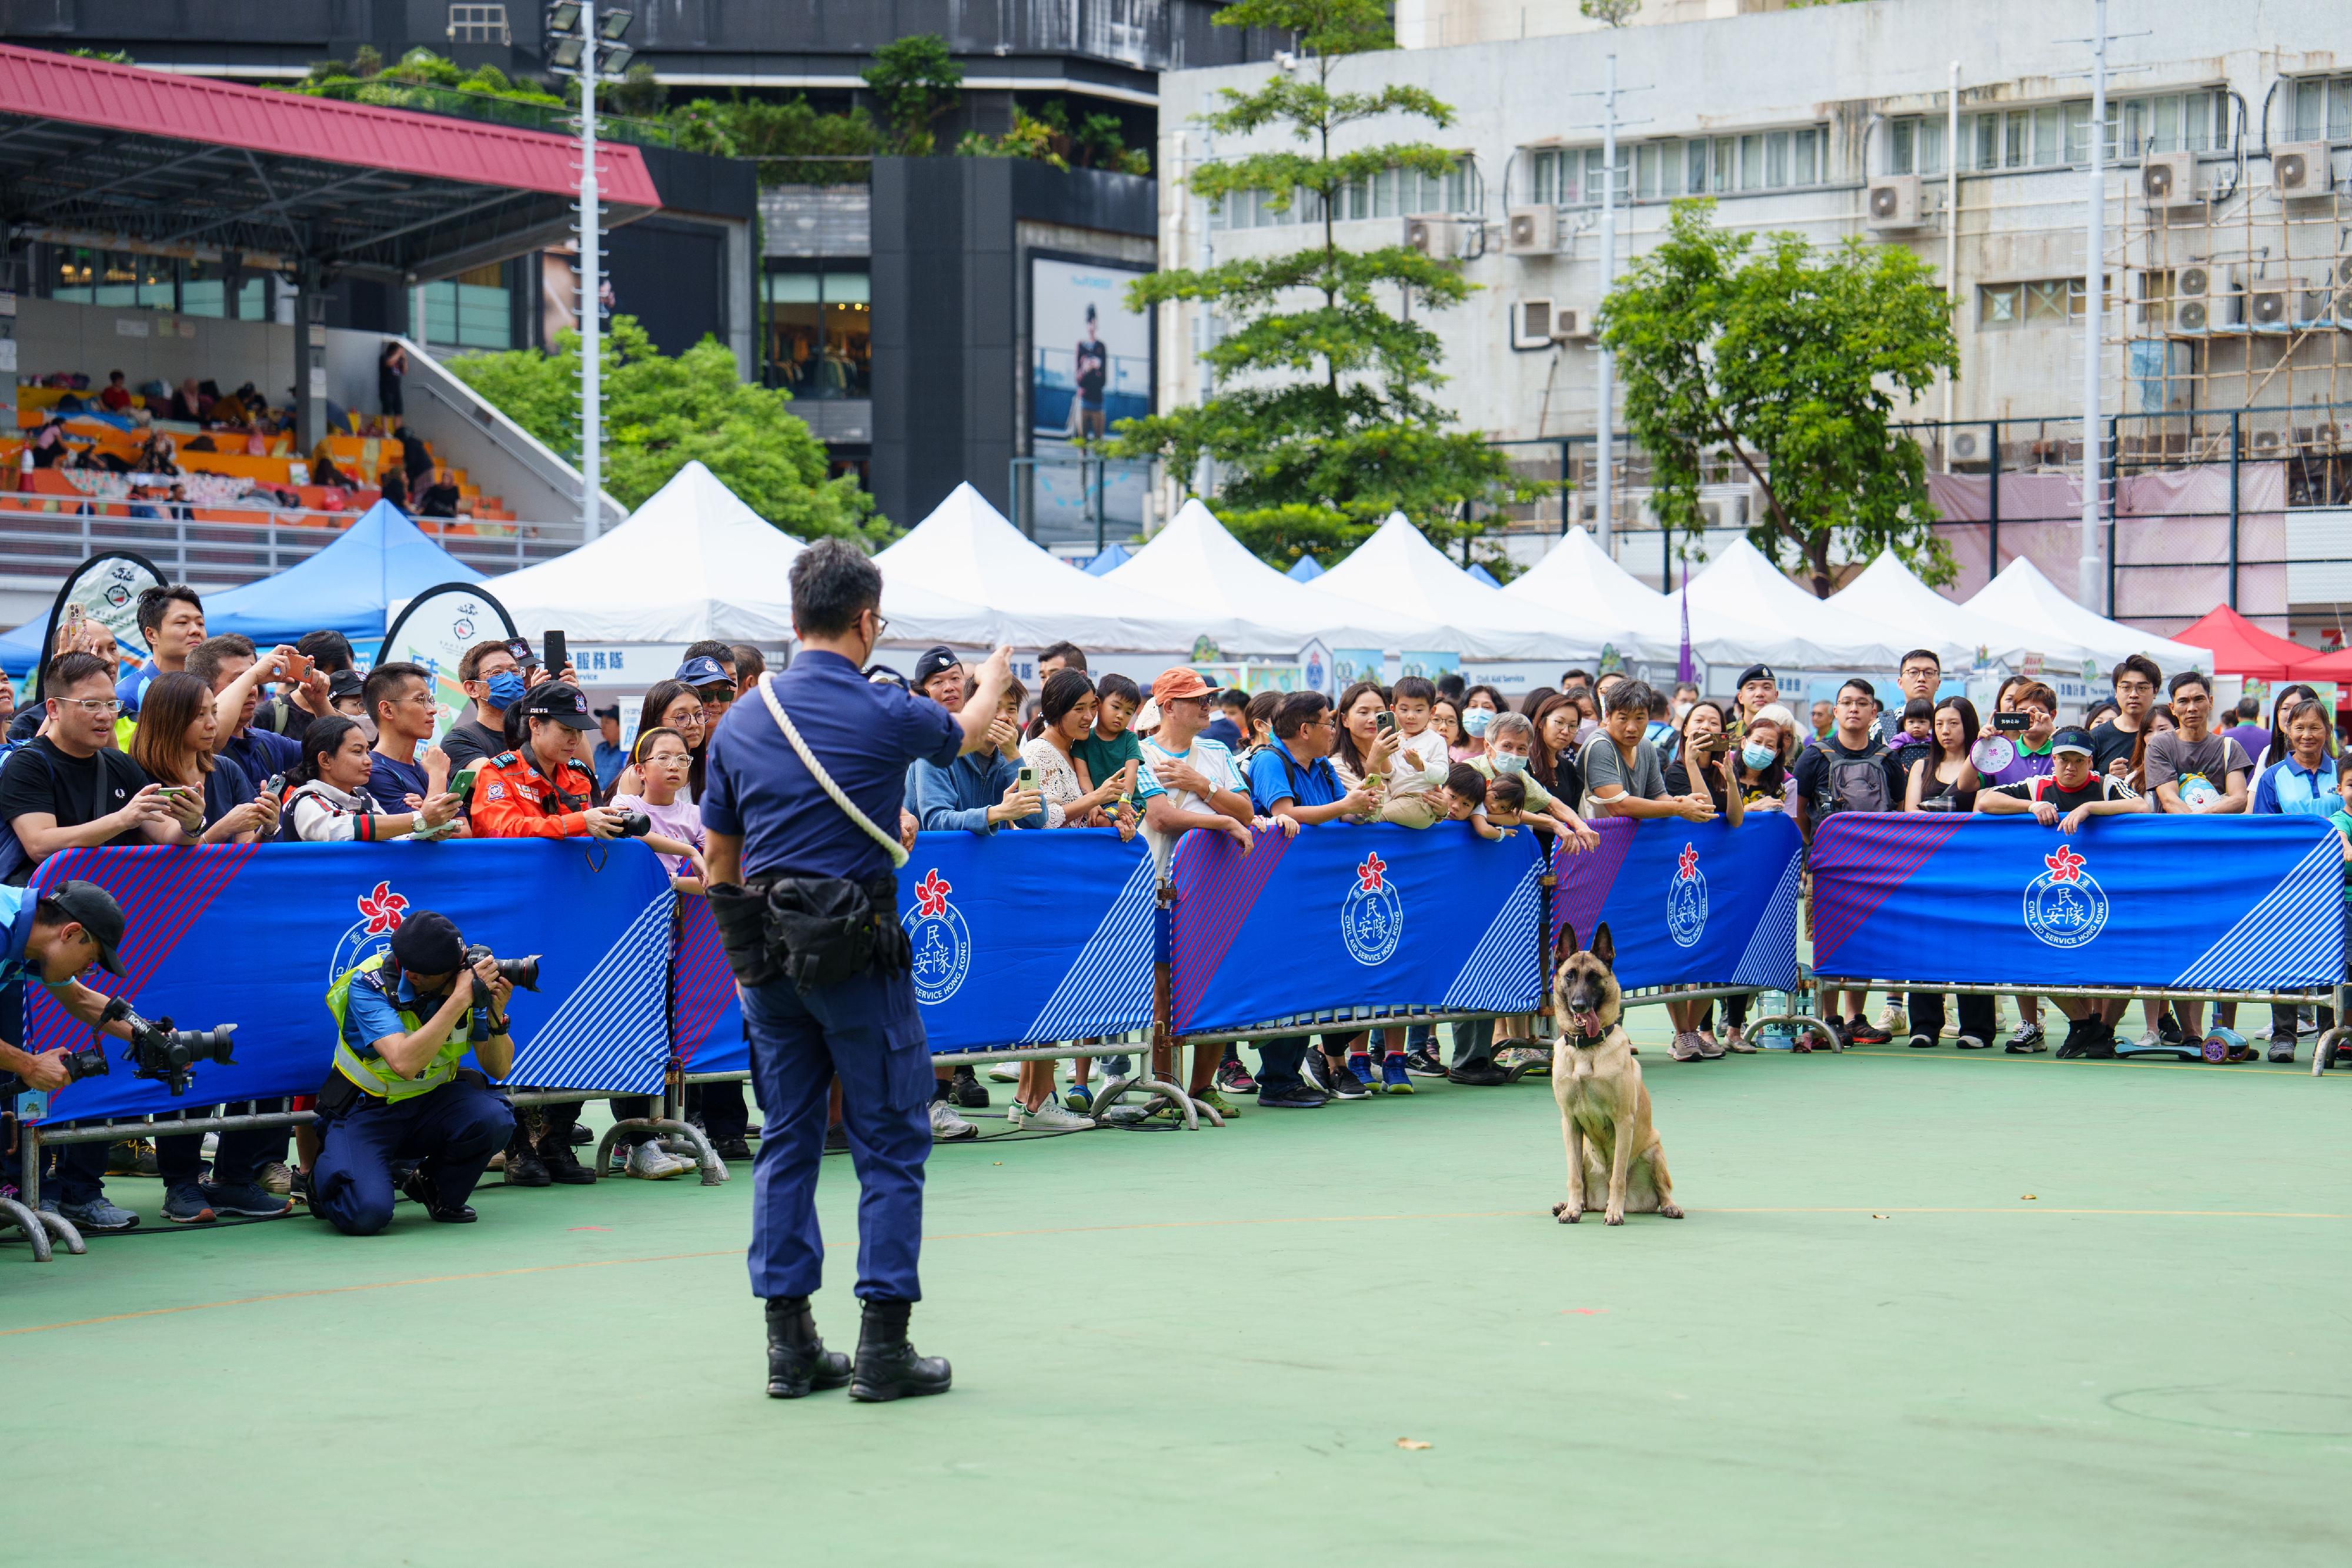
[{"x": 635, "y": 824}]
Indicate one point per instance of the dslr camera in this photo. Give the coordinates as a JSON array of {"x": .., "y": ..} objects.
[
  {"x": 635, "y": 824},
  {"x": 156, "y": 1051},
  {"x": 521, "y": 973}
]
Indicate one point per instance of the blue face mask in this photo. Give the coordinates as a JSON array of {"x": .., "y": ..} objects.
[
  {"x": 1476, "y": 721},
  {"x": 506, "y": 689},
  {"x": 1757, "y": 758},
  {"x": 1506, "y": 763}
]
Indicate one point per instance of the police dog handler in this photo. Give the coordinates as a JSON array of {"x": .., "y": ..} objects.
[
  {"x": 402, "y": 1019},
  {"x": 800, "y": 774}
]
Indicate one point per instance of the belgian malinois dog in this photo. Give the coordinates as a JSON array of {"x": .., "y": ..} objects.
[{"x": 1605, "y": 1110}]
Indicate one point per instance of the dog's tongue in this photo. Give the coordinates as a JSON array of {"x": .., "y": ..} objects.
[{"x": 1585, "y": 1023}]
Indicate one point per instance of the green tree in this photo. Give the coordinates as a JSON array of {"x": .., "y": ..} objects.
[
  {"x": 1789, "y": 361},
  {"x": 1323, "y": 423},
  {"x": 662, "y": 413},
  {"x": 1616, "y": 13},
  {"x": 915, "y": 81},
  {"x": 791, "y": 139},
  {"x": 1096, "y": 141}
]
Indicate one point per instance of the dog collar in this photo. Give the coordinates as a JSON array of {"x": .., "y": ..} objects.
[{"x": 1587, "y": 1041}]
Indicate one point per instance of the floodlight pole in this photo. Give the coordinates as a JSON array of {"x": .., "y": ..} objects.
[
  {"x": 592, "y": 244},
  {"x": 1605, "y": 423},
  {"x": 2090, "y": 584}
]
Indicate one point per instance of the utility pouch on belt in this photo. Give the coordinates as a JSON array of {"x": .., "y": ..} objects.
[
  {"x": 819, "y": 930},
  {"x": 336, "y": 1095}
]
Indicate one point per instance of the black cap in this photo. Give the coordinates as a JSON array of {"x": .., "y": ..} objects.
[
  {"x": 933, "y": 660},
  {"x": 558, "y": 700},
  {"x": 92, "y": 908},
  {"x": 1755, "y": 673},
  {"x": 2073, "y": 737},
  {"x": 426, "y": 943},
  {"x": 884, "y": 675},
  {"x": 345, "y": 684},
  {"x": 612, "y": 712}
]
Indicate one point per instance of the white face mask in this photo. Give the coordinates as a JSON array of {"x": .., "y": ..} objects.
[
  {"x": 1682, "y": 711},
  {"x": 1506, "y": 763},
  {"x": 1757, "y": 758},
  {"x": 1476, "y": 721}
]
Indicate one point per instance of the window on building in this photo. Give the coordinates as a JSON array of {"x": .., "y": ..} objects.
[
  {"x": 479, "y": 24},
  {"x": 2321, "y": 109},
  {"x": 819, "y": 334},
  {"x": 2042, "y": 302},
  {"x": 474, "y": 309},
  {"x": 2156, "y": 298}
]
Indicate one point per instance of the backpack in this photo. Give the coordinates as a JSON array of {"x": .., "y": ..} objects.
[{"x": 1854, "y": 784}]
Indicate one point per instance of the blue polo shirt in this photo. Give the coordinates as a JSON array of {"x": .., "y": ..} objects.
[
  {"x": 19, "y": 907},
  {"x": 864, "y": 732},
  {"x": 370, "y": 1015},
  {"x": 2290, "y": 791},
  {"x": 1276, "y": 775},
  {"x": 132, "y": 689},
  {"x": 262, "y": 752},
  {"x": 392, "y": 781}
]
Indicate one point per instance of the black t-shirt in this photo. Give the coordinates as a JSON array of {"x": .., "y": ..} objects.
[
  {"x": 1678, "y": 782},
  {"x": 2107, "y": 742},
  {"x": 73, "y": 789},
  {"x": 470, "y": 740},
  {"x": 2045, "y": 788},
  {"x": 1815, "y": 762},
  {"x": 226, "y": 788}
]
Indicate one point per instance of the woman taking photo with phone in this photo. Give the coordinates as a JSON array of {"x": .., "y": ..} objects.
[
  {"x": 1704, "y": 763},
  {"x": 173, "y": 743}
]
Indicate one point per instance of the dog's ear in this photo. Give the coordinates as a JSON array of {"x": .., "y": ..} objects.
[
  {"x": 1603, "y": 948},
  {"x": 1565, "y": 946}
]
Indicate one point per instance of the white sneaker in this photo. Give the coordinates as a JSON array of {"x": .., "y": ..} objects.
[
  {"x": 648, "y": 1163},
  {"x": 1005, "y": 1072},
  {"x": 1048, "y": 1117},
  {"x": 947, "y": 1127}
]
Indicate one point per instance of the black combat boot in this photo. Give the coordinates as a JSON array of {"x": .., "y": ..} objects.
[
  {"x": 888, "y": 1367},
  {"x": 797, "y": 1359}
]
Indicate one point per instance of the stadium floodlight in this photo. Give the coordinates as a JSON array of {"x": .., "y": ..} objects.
[
  {"x": 563, "y": 17},
  {"x": 612, "y": 23},
  {"x": 613, "y": 59},
  {"x": 569, "y": 48}
]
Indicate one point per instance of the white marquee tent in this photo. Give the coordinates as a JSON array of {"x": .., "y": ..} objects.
[
  {"x": 966, "y": 549},
  {"x": 1577, "y": 578},
  {"x": 694, "y": 561},
  {"x": 1399, "y": 571},
  {"x": 1197, "y": 563},
  {"x": 2021, "y": 597},
  {"x": 1740, "y": 586},
  {"x": 1888, "y": 595}
]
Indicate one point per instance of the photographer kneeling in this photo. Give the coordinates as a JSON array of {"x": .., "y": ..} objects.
[{"x": 396, "y": 1092}]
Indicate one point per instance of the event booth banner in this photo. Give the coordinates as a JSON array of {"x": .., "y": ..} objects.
[
  {"x": 254, "y": 935},
  {"x": 2200, "y": 903},
  {"x": 1687, "y": 903},
  {"x": 1428, "y": 918}
]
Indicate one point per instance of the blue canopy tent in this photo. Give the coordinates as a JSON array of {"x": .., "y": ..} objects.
[
  {"x": 20, "y": 650},
  {"x": 1481, "y": 574},
  {"x": 1306, "y": 569},
  {"x": 1112, "y": 558},
  {"x": 379, "y": 562}
]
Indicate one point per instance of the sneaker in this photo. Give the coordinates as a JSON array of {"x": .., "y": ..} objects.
[
  {"x": 1483, "y": 1072},
  {"x": 1312, "y": 1070},
  {"x": 1921, "y": 1042},
  {"x": 731, "y": 1148},
  {"x": 1423, "y": 1063},
  {"x": 185, "y": 1205},
  {"x": 563, "y": 1166},
  {"x": 1735, "y": 1040},
  {"x": 947, "y": 1127},
  {"x": 1683, "y": 1047},
  {"x": 2076, "y": 1042},
  {"x": 1863, "y": 1032},
  {"x": 1234, "y": 1077},
  {"x": 1394, "y": 1078},
  {"x": 1077, "y": 1099},
  {"x": 274, "y": 1177},
  {"x": 1360, "y": 1068},
  {"x": 1970, "y": 1043},
  {"x": 525, "y": 1168},
  {"x": 1217, "y": 1102},
  {"x": 1345, "y": 1085},
  {"x": 2168, "y": 1029},
  {"x": 1299, "y": 1099},
  {"x": 2282, "y": 1046},
  {"x": 247, "y": 1200},
  {"x": 647, "y": 1163},
  {"x": 1708, "y": 1050},
  {"x": 967, "y": 1090},
  {"x": 1002, "y": 1072},
  {"x": 2100, "y": 1043},
  {"x": 2026, "y": 1039},
  {"x": 96, "y": 1215},
  {"x": 1047, "y": 1117},
  {"x": 1894, "y": 1021}
]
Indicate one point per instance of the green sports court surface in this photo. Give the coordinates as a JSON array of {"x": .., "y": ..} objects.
[{"x": 1926, "y": 1309}]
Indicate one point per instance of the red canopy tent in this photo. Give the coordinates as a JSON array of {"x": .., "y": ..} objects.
[
  {"x": 2241, "y": 648},
  {"x": 2335, "y": 666}
]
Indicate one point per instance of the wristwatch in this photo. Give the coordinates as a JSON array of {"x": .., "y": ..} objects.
[{"x": 498, "y": 1027}]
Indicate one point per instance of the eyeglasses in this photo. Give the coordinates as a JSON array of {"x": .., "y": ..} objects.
[
  {"x": 881, "y": 624},
  {"x": 94, "y": 704}
]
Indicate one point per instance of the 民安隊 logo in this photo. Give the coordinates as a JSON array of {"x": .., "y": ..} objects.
[
  {"x": 1372, "y": 919},
  {"x": 2064, "y": 907},
  {"x": 1686, "y": 901},
  {"x": 940, "y": 940},
  {"x": 380, "y": 912}
]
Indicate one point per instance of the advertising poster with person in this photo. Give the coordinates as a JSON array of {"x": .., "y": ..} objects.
[{"x": 1090, "y": 367}]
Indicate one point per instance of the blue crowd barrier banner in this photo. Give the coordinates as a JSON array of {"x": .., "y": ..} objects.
[
  {"x": 706, "y": 1015},
  {"x": 1697, "y": 903},
  {"x": 254, "y": 935},
  {"x": 1342, "y": 917},
  {"x": 2198, "y": 903},
  {"x": 1023, "y": 938}
]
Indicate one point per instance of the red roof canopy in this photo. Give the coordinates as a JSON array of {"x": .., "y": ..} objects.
[{"x": 2241, "y": 648}]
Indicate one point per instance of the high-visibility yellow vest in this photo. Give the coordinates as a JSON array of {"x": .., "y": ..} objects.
[{"x": 373, "y": 1074}]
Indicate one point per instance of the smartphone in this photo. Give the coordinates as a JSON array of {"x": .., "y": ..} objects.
[
  {"x": 2014, "y": 723},
  {"x": 462, "y": 785},
  {"x": 297, "y": 667},
  {"x": 1384, "y": 721},
  {"x": 275, "y": 785},
  {"x": 557, "y": 651},
  {"x": 1029, "y": 780}
]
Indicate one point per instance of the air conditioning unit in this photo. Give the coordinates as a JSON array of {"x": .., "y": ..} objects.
[
  {"x": 1538, "y": 324},
  {"x": 1433, "y": 235},
  {"x": 2314, "y": 306},
  {"x": 2299, "y": 170},
  {"x": 2264, "y": 443},
  {"x": 2168, "y": 180},
  {"x": 1574, "y": 324},
  {"x": 1531, "y": 231},
  {"x": 2270, "y": 304},
  {"x": 1892, "y": 202},
  {"x": 2192, "y": 283},
  {"x": 1965, "y": 445},
  {"x": 2192, "y": 315}
]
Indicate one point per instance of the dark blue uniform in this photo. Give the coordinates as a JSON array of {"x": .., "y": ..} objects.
[{"x": 865, "y": 1031}]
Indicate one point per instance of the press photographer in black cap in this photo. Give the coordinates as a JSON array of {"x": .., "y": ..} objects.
[{"x": 404, "y": 1019}]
